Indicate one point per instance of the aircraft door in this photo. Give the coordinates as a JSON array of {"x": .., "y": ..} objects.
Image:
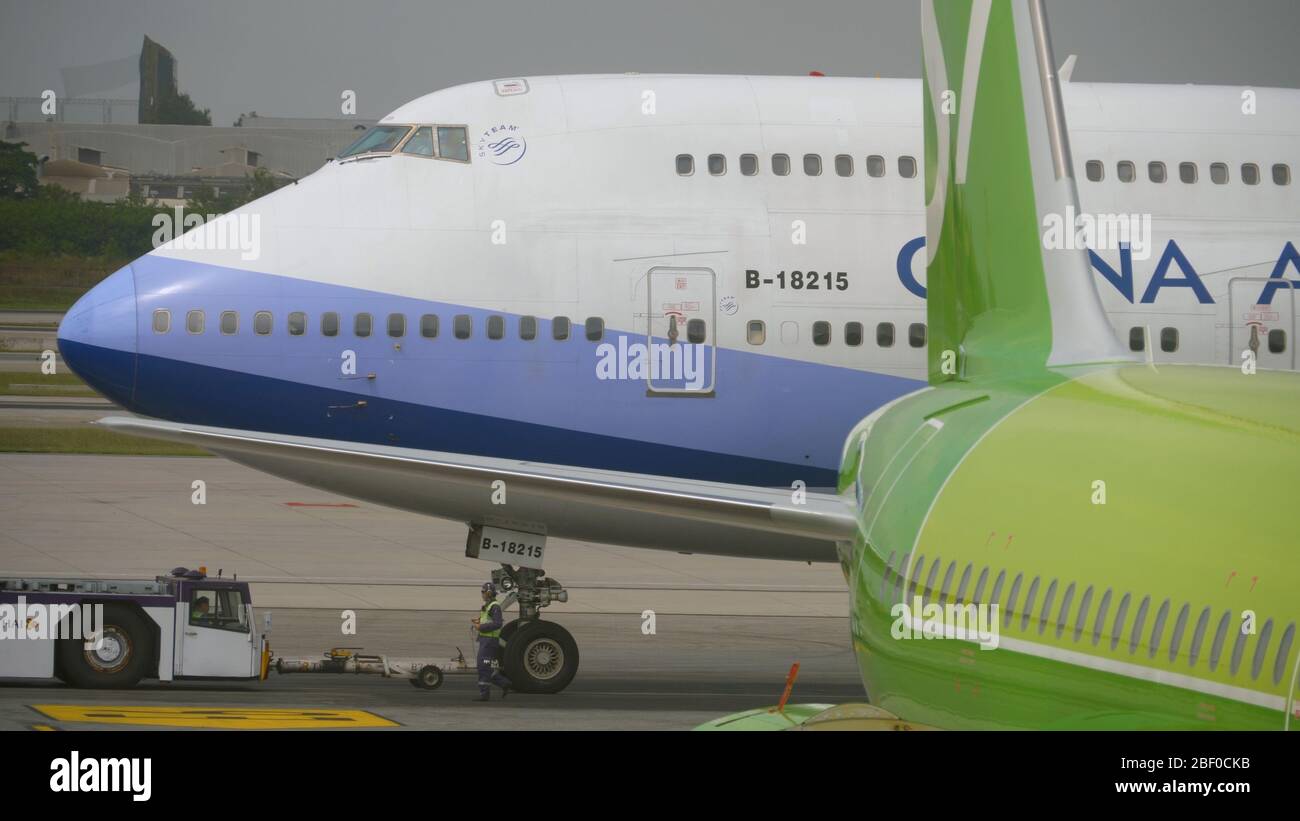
[
  {"x": 1267, "y": 329},
  {"x": 681, "y": 332}
]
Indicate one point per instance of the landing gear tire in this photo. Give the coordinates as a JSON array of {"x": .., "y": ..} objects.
[
  {"x": 542, "y": 657},
  {"x": 119, "y": 661},
  {"x": 429, "y": 678}
]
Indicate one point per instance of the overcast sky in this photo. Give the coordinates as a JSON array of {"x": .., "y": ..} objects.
[{"x": 294, "y": 57}]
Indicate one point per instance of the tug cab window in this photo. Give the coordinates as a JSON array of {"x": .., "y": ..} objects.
[
  {"x": 220, "y": 609},
  {"x": 381, "y": 139}
]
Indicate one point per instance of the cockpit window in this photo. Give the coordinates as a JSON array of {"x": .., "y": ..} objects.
[
  {"x": 421, "y": 142},
  {"x": 380, "y": 139},
  {"x": 453, "y": 143}
]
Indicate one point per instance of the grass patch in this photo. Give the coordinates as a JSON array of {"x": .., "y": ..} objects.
[
  {"x": 32, "y": 383},
  {"x": 34, "y": 282},
  {"x": 87, "y": 439}
]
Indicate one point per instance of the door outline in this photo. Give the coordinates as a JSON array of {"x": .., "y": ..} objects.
[
  {"x": 712, "y": 314},
  {"x": 1236, "y": 346}
]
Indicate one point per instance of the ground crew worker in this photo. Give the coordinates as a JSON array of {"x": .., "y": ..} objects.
[{"x": 488, "y": 626}]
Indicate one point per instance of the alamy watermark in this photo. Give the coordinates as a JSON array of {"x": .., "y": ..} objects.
[
  {"x": 211, "y": 232},
  {"x": 1098, "y": 232},
  {"x": 967, "y": 622},
  {"x": 678, "y": 362},
  {"x": 34, "y": 622}
]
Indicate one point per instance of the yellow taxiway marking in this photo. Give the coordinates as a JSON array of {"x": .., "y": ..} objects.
[
  {"x": 43, "y": 728},
  {"x": 237, "y": 718}
]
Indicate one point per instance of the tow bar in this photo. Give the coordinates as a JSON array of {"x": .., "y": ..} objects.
[{"x": 424, "y": 673}]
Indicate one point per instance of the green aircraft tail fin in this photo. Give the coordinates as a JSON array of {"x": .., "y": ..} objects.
[{"x": 997, "y": 164}]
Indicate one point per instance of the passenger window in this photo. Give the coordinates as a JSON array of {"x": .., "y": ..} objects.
[
  {"x": 812, "y": 165},
  {"x": 885, "y": 334},
  {"x": 420, "y": 143},
  {"x": 1277, "y": 341},
  {"x": 462, "y": 326},
  {"x": 429, "y": 326},
  {"x": 194, "y": 322},
  {"x": 695, "y": 331},
  {"x": 875, "y": 166},
  {"x": 397, "y": 325},
  {"x": 595, "y": 327},
  {"x": 749, "y": 164},
  {"x": 496, "y": 326},
  {"x": 528, "y": 327},
  {"x": 1137, "y": 338},
  {"x": 262, "y": 323},
  {"x": 1125, "y": 171},
  {"x": 297, "y": 323},
  {"x": 685, "y": 165},
  {"x": 1219, "y": 173},
  {"x": 1281, "y": 174},
  {"x": 756, "y": 332},
  {"x": 361, "y": 324},
  {"x": 162, "y": 321},
  {"x": 560, "y": 328},
  {"x": 1169, "y": 340},
  {"x": 329, "y": 324},
  {"x": 1250, "y": 173},
  {"x": 906, "y": 167},
  {"x": 916, "y": 334},
  {"x": 789, "y": 332},
  {"x": 1187, "y": 172},
  {"x": 1156, "y": 171},
  {"x": 1095, "y": 170},
  {"x": 229, "y": 322},
  {"x": 853, "y": 333},
  {"x": 781, "y": 165},
  {"x": 844, "y": 165},
  {"x": 717, "y": 165},
  {"x": 821, "y": 333},
  {"x": 452, "y": 143}
]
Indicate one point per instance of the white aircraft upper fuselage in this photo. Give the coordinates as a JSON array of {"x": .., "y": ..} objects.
[{"x": 575, "y": 202}]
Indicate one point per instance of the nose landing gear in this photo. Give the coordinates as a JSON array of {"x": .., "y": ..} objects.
[{"x": 538, "y": 656}]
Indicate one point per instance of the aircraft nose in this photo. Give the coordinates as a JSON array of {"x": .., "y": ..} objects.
[{"x": 97, "y": 337}]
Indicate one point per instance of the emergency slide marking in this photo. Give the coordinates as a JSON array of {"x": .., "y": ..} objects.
[{"x": 209, "y": 717}]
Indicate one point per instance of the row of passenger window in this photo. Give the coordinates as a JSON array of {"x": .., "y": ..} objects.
[
  {"x": 1188, "y": 172},
  {"x": 756, "y": 333},
  {"x": 462, "y": 325},
  {"x": 1137, "y": 339},
  {"x": 780, "y": 164}
]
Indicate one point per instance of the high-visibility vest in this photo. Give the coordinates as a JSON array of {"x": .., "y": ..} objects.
[{"x": 484, "y": 617}]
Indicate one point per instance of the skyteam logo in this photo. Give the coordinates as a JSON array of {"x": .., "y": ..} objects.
[{"x": 502, "y": 145}]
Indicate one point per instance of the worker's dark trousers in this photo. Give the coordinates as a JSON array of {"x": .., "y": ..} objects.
[{"x": 487, "y": 653}]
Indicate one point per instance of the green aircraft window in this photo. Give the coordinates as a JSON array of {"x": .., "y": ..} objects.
[
  {"x": 1220, "y": 634},
  {"x": 1261, "y": 649},
  {"x": 1121, "y": 613},
  {"x": 685, "y": 165},
  {"x": 1238, "y": 650},
  {"x": 1198, "y": 636},
  {"x": 928, "y": 594},
  {"x": 996, "y": 596},
  {"x": 1064, "y": 615},
  {"x": 947, "y": 583},
  {"x": 1097, "y": 623},
  {"x": 1283, "y": 653},
  {"x": 1138, "y": 621},
  {"x": 1158, "y": 629},
  {"x": 899, "y": 580},
  {"x": 1081, "y": 619},
  {"x": 917, "y": 567},
  {"x": 528, "y": 327},
  {"x": 1250, "y": 173},
  {"x": 889, "y": 571},
  {"x": 1008, "y": 612},
  {"x": 1047, "y": 606},
  {"x": 1176, "y": 640},
  {"x": 1028, "y": 610},
  {"x": 1219, "y": 173},
  {"x": 961, "y": 586},
  {"x": 978, "y": 595}
]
